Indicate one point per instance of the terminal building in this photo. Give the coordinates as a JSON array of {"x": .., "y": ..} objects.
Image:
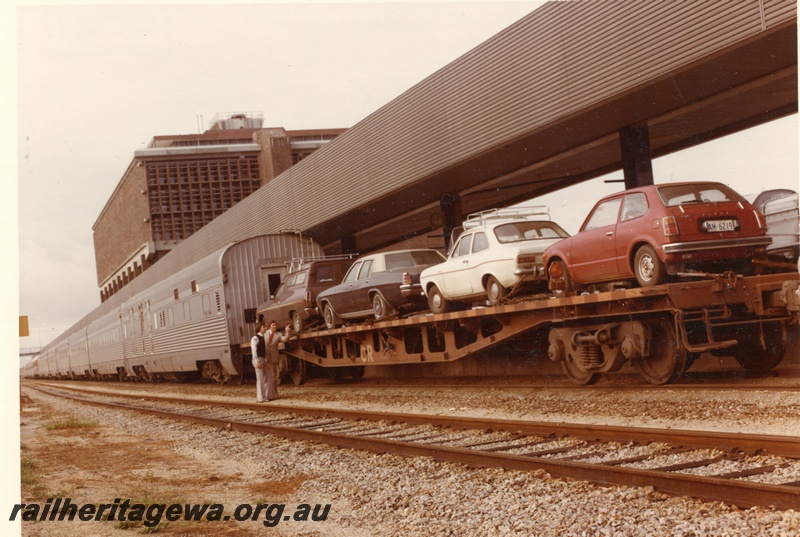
[{"x": 180, "y": 183}]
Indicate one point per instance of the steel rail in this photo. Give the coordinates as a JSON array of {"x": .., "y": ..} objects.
[
  {"x": 741, "y": 493},
  {"x": 788, "y": 446}
]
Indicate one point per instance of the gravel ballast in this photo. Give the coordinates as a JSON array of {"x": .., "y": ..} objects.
[{"x": 371, "y": 494}]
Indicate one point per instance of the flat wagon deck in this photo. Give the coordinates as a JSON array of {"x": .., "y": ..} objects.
[{"x": 661, "y": 330}]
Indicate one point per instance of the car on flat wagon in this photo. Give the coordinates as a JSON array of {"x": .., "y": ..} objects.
[
  {"x": 649, "y": 233},
  {"x": 295, "y": 299},
  {"x": 378, "y": 286},
  {"x": 498, "y": 254},
  {"x": 780, "y": 209}
]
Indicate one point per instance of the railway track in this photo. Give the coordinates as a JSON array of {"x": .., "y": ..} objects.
[{"x": 741, "y": 469}]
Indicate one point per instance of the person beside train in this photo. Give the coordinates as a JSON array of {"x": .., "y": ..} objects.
[
  {"x": 258, "y": 347},
  {"x": 266, "y": 359}
]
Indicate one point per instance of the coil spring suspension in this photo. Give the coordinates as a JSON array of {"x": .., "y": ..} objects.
[{"x": 590, "y": 356}]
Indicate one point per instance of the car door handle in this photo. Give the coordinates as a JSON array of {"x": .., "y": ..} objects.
[{"x": 609, "y": 233}]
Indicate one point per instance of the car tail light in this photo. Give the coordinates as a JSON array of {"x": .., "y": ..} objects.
[
  {"x": 670, "y": 226},
  {"x": 308, "y": 299},
  {"x": 406, "y": 278},
  {"x": 526, "y": 259},
  {"x": 762, "y": 224},
  {"x": 556, "y": 270}
]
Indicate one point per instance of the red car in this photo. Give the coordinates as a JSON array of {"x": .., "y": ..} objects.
[{"x": 650, "y": 232}]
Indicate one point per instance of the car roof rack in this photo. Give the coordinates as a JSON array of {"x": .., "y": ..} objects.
[
  {"x": 510, "y": 213},
  {"x": 302, "y": 262}
]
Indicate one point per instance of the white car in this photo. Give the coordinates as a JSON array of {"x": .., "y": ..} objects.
[{"x": 498, "y": 254}]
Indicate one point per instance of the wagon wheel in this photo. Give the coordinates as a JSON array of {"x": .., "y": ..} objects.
[
  {"x": 576, "y": 374},
  {"x": 356, "y": 372},
  {"x": 297, "y": 371},
  {"x": 750, "y": 353},
  {"x": 142, "y": 375},
  {"x": 495, "y": 291},
  {"x": 667, "y": 358},
  {"x": 691, "y": 358}
]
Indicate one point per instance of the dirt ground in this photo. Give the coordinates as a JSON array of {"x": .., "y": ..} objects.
[{"x": 66, "y": 457}]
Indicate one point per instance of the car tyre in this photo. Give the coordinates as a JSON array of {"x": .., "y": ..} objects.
[
  {"x": 648, "y": 268},
  {"x": 437, "y": 302},
  {"x": 329, "y": 316},
  {"x": 297, "y": 322},
  {"x": 380, "y": 309},
  {"x": 495, "y": 291},
  {"x": 569, "y": 287}
]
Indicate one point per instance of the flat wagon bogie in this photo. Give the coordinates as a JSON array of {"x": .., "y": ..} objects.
[{"x": 659, "y": 330}]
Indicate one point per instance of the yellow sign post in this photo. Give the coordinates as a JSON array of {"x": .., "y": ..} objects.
[{"x": 23, "y": 326}]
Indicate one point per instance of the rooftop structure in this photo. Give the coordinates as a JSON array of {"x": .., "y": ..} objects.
[{"x": 180, "y": 183}]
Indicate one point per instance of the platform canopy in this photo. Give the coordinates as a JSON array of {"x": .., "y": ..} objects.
[{"x": 549, "y": 102}]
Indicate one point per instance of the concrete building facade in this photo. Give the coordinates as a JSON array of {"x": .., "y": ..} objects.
[{"x": 180, "y": 183}]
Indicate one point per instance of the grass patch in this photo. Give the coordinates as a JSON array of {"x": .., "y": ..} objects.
[
  {"x": 69, "y": 422},
  {"x": 154, "y": 529},
  {"x": 27, "y": 475}
]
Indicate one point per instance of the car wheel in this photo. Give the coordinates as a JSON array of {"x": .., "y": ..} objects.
[
  {"x": 437, "y": 302},
  {"x": 495, "y": 291},
  {"x": 329, "y": 316},
  {"x": 648, "y": 267},
  {"x": 379, "y": 307},
  {"x": 297, "y": 322}
]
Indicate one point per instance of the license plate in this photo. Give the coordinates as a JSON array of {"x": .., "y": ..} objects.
[{"x": 720, "y": 225}]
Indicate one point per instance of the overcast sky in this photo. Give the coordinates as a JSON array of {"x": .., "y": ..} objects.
[{"x": 97, "y": 82}]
